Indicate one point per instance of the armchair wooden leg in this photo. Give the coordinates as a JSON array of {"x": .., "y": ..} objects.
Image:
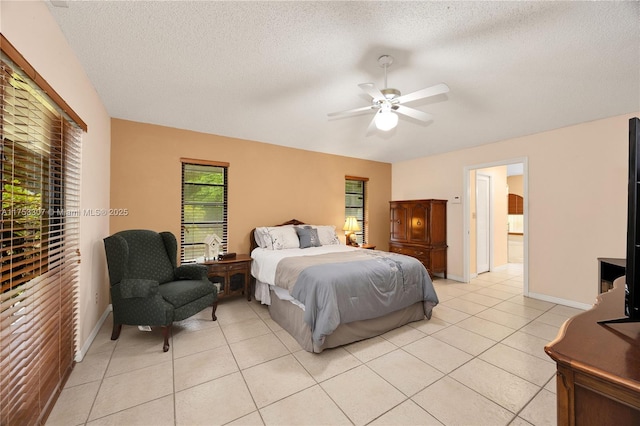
[
  {"x": 115, "y": 333},
  {"x": 213, "y": 312},
  {"x": 166, "y": 330}
]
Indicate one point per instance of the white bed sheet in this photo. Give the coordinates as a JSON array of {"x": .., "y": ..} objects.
[
  {"x": 265, "y": 262},
  {"x": 262, "y": 294}
]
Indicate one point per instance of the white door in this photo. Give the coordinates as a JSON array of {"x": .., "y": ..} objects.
[{"x": 483, "y": 222}]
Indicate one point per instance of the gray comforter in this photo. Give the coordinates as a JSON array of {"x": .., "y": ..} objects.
[{"x": 338, "y": 288}]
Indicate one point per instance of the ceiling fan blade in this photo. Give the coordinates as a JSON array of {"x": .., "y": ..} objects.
[
  {"x": 351, "y": 111},
  {"x": 413, "y": 113},
  {"x": 424, "y": 93},
  {"x": 372, "y": 91},
  {"x": 372, "y": 125}
]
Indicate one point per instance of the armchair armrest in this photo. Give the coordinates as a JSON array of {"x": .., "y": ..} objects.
[
  {"x": 131, "y": 288},
  {"x": 191, "y": 272}
]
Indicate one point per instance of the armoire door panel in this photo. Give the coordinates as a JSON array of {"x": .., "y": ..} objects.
[
  {"x": 419, "y": 223},
  {"x": 399, "y": 215}
]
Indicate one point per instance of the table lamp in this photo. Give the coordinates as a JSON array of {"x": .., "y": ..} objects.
[{"x": 351, "y": 226}]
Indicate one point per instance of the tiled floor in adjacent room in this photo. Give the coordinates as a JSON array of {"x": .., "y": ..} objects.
[{"x": 479, "y": 360}]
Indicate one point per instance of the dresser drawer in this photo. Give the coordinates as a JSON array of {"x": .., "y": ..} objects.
[
  {"x": 409, "y": 251},
  {"x": 419, "y": 253},
  {"x": 218, "y": 268},
  {"x": 237, "y": 267}
]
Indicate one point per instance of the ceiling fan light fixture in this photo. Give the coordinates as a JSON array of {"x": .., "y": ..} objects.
[{"x": 386, "y": 120}]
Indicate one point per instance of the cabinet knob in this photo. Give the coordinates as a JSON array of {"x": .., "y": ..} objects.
[
  {"x": 398, "y": 222},
  {"x": 419, "y": 223}
]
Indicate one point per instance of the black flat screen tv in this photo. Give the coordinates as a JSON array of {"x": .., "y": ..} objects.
[
  {"x": 632, "y": 307},
  {"x": 632, "y": 287}
]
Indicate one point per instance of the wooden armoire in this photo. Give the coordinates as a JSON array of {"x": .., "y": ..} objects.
[{"x": 419, "y": 229}]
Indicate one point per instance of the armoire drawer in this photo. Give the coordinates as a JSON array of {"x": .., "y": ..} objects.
[{"x": 409, "y": 251}]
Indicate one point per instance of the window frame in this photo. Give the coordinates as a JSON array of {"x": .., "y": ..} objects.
[
  {"x": 185, "y": 225},
  {"x": 362, "y": 235}
]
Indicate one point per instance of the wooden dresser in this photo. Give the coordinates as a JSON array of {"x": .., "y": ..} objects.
[
  {"x": 598, "y": 378},
  {"x": 419, "y": 229}
]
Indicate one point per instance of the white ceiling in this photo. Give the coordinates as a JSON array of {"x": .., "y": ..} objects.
[{"x": 271, "y": 71}]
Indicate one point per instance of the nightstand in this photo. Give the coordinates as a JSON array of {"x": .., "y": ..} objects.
[
  {"x": 233, "y": 276},
  {"x": 368, "y": 246}
]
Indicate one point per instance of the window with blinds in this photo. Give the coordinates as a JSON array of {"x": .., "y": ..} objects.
[
  {"x": 355, "y": 204},
  {"x": 40, "y": 170},
  {"x": 204, "y": 206}
]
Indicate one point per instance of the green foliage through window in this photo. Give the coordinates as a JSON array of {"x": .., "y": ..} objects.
[{"x": 204, "y": 208}]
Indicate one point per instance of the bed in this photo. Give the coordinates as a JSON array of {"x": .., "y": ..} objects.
[{"x": 327, "y": 294}]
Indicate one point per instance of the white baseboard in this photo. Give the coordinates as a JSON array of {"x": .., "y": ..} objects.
[
  {"x": 559, "y": 301},
  {"x": 83, "y": 351},
  {"x": 455, "y": 278}
]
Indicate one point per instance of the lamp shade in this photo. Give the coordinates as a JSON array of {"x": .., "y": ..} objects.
[
  {"x": 351, "y": 224},
  {"x": 386, "y": 120}
]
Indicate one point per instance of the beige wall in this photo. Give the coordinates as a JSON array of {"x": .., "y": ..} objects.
[
  {"x": 268, "y": 184},
  {"x": 516, "y": 185},
  {"x": 29, "y": 26},
  {"x": 570, "y": 225}
]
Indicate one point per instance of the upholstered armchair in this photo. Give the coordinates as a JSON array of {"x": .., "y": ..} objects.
[{"x": 146, "y": 286}]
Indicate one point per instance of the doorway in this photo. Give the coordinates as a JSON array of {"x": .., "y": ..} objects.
[{"x": 497, "y": 243}]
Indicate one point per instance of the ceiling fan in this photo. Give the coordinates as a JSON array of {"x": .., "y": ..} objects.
[{"x": 387, "y": 102}]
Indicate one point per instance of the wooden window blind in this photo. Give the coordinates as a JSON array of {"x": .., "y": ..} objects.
[
  {"x": 204, "y": 206},
  {"x": 40, "y": 170},
  {"x": 355, "y": 204}
]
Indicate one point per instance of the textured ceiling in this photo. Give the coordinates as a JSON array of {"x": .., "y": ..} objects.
[{"x": 271, "y": 71}]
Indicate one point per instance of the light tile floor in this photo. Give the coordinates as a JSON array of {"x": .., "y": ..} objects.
[
  {"x": 515, "y": 248},
  {"x": 479, "y": 360}
]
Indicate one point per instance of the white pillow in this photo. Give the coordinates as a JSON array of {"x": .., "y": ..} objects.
[
  {"x": 327, "y": 234},
  {"x": 262, "y": 237},
  {"x": 283, "y": 237}
]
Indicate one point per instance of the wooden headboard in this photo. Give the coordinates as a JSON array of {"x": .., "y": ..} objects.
[{"x": 252, "y": 239}]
